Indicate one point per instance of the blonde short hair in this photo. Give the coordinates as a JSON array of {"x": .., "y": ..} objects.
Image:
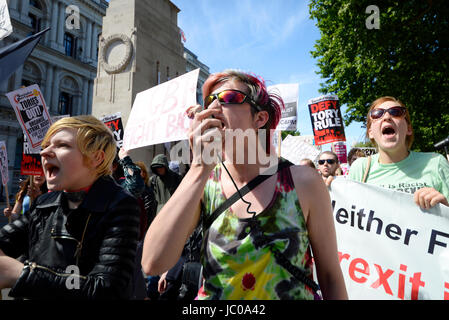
[{"x": 92, "y": 136}]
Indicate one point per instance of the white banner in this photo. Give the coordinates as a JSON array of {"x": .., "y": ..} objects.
[
  {"x": 5, "y": 21},
  {"x": 31, "y": 112},
  {"x": 158, "y": 114},
  {"x": 389, "y": 248},
  {"x": 289, "y": 94},
  {"x": 3, "y": 163}
]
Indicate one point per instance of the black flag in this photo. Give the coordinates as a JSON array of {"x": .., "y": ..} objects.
[{"x": 15, "y": 54}]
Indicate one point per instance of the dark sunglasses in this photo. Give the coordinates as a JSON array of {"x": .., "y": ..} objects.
[
  {"x": 393, "y": 111},
  {"x": 330, "y": 161},
  {"x": 230, "y": 97}
]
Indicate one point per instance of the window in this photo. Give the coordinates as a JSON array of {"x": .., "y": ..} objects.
[
  {"x": 36, "y": 4},
  {"x": 65, "y": 103},
  {"x": 69, "y": 44},
  {"x": 35, "y": 23}
]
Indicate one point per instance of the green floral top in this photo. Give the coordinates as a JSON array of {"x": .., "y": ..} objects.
[{"x": 235, "y": 267}]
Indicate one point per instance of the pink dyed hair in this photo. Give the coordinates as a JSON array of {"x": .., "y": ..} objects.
[{"x": 257, "y": 90}]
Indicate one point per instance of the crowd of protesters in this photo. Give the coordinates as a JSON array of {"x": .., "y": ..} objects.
[{"x": 117, "y": 230}]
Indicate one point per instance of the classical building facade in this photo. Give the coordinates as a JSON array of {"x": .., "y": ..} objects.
[{"x": 63, "y": 64}]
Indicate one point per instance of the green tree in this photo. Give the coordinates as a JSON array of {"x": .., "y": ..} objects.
[{"x": 406, "y": 57}]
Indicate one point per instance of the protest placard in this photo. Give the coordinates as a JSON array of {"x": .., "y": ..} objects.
[
  {"x": 31, "y": 112},
  {"x": 31, "y": 157},
  {"x": 5, "y": 21},
  {"x": 289, "y": 94},
  {"x": 388, "y": 247},
  {"x": 340, "y": 151},
  {"x": 368, "y": 151},
  {"x": 114, "y": 122},
  {"x": 294, "y": 149},
  {"x": 158, "y": 114},
  {"x": 4, "y": 163},
  {"x": 327, "y": 122}
]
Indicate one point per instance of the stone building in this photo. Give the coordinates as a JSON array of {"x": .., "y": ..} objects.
[
  {"x": 140, "y": 47},
  {"x": 63, "y": 64}
]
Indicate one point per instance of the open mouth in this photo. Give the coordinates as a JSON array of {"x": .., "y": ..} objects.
[
  {"x": 52, "y": 170},
  {"x": 388, "y": 131}
]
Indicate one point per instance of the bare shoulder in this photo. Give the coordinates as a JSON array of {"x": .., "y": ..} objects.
[{"x": 304, "y": 175}]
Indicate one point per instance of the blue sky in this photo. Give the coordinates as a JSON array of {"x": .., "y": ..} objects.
[{"x": 271, "y": 38}]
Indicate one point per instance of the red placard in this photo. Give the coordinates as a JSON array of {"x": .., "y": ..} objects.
[{"x": 327, "y": 122}]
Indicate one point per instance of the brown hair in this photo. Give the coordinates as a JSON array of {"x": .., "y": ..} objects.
[
  {"x": 144, "y": 171},
  {"x": 409, "y": 139}
]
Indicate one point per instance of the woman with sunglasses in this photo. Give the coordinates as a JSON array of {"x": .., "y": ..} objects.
[
  {"x": 395, "y": 166},
  {"x": 291, "y": 208}
]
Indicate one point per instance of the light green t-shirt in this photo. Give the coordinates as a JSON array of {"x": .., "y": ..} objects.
[{"x": 418, "y": 170}]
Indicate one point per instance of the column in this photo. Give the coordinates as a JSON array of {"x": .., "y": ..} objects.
[
  {"x": 13, "y": 9},
  {"x": 90, "y": 97},
  {"x": 55, "y": 91},
  {"x": 54, "y": 24},
  {"x": 24, "y": 10},
  {"x": 88, "y": 39},
  {"x": 61, "y": 26},
  {"x": 85, "y": 107},
  {"x": 77, "y": 105},
  {"x": 49, "y": 87},
  {"x": 94, "y": 39}
]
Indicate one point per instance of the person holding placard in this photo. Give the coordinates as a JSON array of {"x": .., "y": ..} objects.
[
  {"x": 31, "y": 188},
  {"x": 396, "y": 166},
  {"x": 80, "y": 239},
  {"x": 259, "y": 246}
]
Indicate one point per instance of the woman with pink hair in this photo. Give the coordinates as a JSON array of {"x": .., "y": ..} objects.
[{"x": 260, "y": 246}]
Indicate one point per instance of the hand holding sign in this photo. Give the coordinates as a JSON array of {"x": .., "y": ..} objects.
[{"x": 158, "y": 114}]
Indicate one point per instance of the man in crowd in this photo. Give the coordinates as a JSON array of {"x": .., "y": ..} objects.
[{"x": 328, "y": 166}]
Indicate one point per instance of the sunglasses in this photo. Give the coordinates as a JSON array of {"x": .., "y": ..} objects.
[
  {"x": 330, "y": 161},
  {"x": 393, "y": 111},
  {"x": 230, "y": 97}
]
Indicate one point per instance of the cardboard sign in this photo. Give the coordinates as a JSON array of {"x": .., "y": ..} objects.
[
  {"x": 114, "y": 122},
  {"x": 31, "y": 112},
  {"x": 31, "y": 164},
  {"x": 5, "y": 21},
  {"x": 158, "y": 114},
  {"x": 340, "y": 151},
  {"x": 3, "y": 163},
  {"x": 327, "y": 122},
  {"x": 289, "y": 94},
  {"x": 294, "y": 149},
  {"x": 388, "y": 247}
]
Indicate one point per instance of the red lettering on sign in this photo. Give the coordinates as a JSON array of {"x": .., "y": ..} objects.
[{"x": 353, "y": 268}]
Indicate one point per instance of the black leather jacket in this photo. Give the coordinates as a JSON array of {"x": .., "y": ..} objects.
[{"x": 99, "y": 239}]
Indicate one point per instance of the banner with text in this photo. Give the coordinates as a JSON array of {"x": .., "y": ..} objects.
[
  {"x": 31, "y": 112},
  {"x": 158, "y": 114},
  {"x": 5, "y": 21},
  {"x": 31, "y": 157},
  {"x": 388, "y": 247},
  {"x": 114, "y": 122},
  {"x": 289, "y": 94},
  {"x": 3, "y": 163},
  {"x": 327, "y": 122}
]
